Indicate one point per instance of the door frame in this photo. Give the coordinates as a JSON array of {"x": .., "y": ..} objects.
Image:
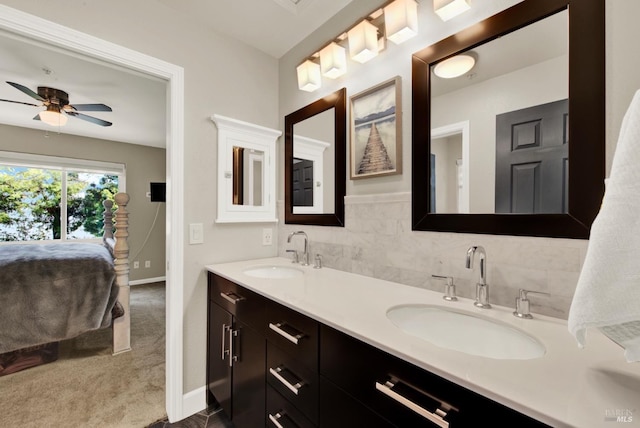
[
  {"x": 461, "y": 128},
  {"x": 49, "y": 33}
]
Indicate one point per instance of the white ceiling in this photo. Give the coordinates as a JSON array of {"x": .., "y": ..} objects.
[{"x": 138, "y": 101}]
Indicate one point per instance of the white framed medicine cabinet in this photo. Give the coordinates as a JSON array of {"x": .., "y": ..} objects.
[{"x": 246, "y": 171}]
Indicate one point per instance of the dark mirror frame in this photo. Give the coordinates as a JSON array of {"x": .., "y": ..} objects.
[
  {"x": 338, "y": 101},
  {"x": 586, "y": 122}
]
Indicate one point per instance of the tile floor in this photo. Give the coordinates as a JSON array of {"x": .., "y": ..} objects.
[{"x": 208, "y": 418}]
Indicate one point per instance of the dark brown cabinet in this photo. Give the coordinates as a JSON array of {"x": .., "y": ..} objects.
[
  {"x": 269, "y": 365},
  {"x": 236, "y": 352}
]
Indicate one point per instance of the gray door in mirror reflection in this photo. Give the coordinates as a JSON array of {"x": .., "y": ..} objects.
[
  {"x": 302, "y": 182},
  {"x": 532, "y": 159}
]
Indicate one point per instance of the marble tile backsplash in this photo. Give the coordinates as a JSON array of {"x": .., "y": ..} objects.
[{"x": 377, "y": 241}]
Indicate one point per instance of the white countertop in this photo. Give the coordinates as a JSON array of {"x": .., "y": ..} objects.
[{"x": 568, "y": 386}]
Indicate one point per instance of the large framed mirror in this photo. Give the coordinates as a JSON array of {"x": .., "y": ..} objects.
[
  {"x": 516, "y": 144},
  {"x": 315, "y": 162}
]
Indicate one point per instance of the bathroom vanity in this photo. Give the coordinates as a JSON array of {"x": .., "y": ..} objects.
[{"x": 295, "y": 346}]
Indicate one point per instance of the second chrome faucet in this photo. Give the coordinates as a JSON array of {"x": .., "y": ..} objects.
[
  {"x": 482, "y": 288},
  {"x": 305, "y": 255}
]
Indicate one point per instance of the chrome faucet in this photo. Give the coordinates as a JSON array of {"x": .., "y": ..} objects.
[
  {"x": 305, "y": 256},
  {"x": 482, "y": 288}
]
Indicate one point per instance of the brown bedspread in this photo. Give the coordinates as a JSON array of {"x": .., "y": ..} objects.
[{"x": 52, "y": 292}]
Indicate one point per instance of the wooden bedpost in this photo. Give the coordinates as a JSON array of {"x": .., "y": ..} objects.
[
  {"x": 108, "y": 220},
  {"x": 121, "y": 329}
]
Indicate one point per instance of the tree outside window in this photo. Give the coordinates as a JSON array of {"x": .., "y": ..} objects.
[{"x": 35, "y": 203}]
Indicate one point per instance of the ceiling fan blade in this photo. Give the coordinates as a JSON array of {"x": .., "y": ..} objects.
[
  {"x": 20, "y": 102},
  {"x": 26, "y": 91},
  {"x": 90, "y": 107},
  {"x": 89, "y": 118}
]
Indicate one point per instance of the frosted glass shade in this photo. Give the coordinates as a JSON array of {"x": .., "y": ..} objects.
[
  {"x": 363, "y": 41},
  {"x": 309, "y": 78},
  {"x": 447, "y": 9},
  {"x": 333, "y": 61},
  {"x": 401, "y": 20},
  {"x": 454, "y": 66},
  {"x": 53, "y": 118}
]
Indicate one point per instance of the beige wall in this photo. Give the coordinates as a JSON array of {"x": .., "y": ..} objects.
[
  {"x": 221, "y": 76},
  {"x": 377, "y": 239},
  {"x": 143, "y": 165}
]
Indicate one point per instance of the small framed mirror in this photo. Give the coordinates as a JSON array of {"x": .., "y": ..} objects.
[
  {"x": 247, "y": 176},
  {"x": 315, "y": 157},
  {"x": 515, "y": 145}
]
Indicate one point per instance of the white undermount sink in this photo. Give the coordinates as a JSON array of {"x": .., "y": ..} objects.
[
  {"x": 274, "y": 271},
  {"x": 465, "y": 332}
]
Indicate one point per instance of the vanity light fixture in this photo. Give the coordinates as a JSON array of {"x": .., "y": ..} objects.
[
  {"x": 447, "y": 9},
  {"x": 401, "y": 20},
  {"x": 333, "y": 60},
  {"x": 363, "y": 41},
  {"x": 52, "y": 116},
  {"x": 309, "y": 78},
  {"x": 396, "y": 21},
  {"x": 455, "y": 66}
]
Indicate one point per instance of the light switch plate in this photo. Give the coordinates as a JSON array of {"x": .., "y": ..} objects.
[{"x": 196, "y": 233}]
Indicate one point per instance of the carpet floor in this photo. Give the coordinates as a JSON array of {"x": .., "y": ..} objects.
[{"x": 89, "y": 387}]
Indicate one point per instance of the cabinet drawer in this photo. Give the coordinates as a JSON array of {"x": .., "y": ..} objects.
[
  {"x": 340, "y": 410},
  {"x": 244, "y": 304},
  {"x": 293, "y": 332},
  {"x": 293, "y": 380},
  {"x": 404, "y": 394},
  {"x": 282, "y": 414}
]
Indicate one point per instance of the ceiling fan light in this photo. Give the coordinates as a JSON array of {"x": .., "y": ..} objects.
[
  {"x": 53, "y": 117},
  {"x": 333, "y": 61},
  {"x": 454, "y": 67},
  {"x": 401, "y": 20},
  {"x": 309, "y": 78},
  {"x": 363, "y": 41},
  {"x": 447, "y": 9}
]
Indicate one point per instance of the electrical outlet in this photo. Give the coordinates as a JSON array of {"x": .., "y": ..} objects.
[
  {"x": 147, "y": 263},
  {"x": 267, "y": 236},
  {"x": 136, "y": 264}
]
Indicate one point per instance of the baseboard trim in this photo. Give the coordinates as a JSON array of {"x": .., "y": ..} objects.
[
  {"x": 194, "y": 402},
  {"x": 148, "y": 280}
]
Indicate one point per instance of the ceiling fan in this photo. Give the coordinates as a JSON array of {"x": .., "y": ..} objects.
[{"x": 56, "y": 103}]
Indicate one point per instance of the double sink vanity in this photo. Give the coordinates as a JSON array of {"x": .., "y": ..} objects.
[{"x": 290, "y": 345}]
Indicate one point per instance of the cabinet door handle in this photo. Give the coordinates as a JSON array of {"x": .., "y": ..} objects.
[
  {"x": 224, "y": 333},
  {"x": 294, "y": 338},
  {"x": 436, "y": 417},
  {"x": 275, "y": 419},
  {"x": 231, "y": 297},
  {"x": 293, "y": 387},
  {"x": 232, "y": 333}
]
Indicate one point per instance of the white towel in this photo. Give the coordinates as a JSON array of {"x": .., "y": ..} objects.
[{"x": 608, "y": 291}]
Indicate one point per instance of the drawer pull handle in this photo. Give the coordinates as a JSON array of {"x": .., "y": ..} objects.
[
  {"x": 224, "y": 335},
  {"x": 437, "y": 417},
  {"x": 275, "y": 418},
  {"x": 290, "y": 337},
  {"x": 231, "y": 297},
  {"x": 293, "y": 387}
]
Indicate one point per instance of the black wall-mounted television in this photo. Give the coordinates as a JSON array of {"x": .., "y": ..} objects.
[{"x": 158, "y": 192}]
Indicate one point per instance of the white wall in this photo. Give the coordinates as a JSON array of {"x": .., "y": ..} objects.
[{"x": 220, "y": 77}]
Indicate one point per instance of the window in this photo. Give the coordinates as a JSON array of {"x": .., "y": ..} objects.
[{"x": 51, "y": 198}]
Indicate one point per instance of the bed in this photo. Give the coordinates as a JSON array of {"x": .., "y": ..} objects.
[{"x": 56, "y": 291}]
